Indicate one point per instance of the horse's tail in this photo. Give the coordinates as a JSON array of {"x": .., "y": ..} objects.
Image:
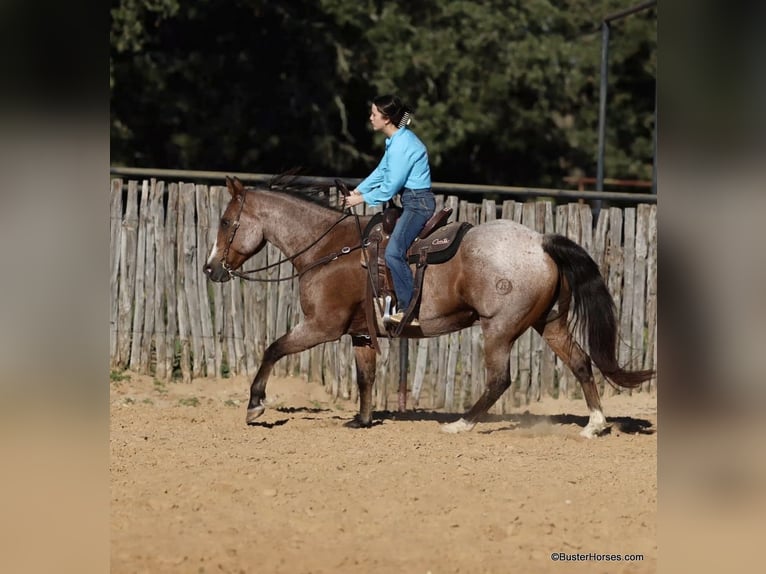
[{"x": 593, "y": 309}]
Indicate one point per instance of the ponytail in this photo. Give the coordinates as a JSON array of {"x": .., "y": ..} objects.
[{"x": 394, "y": 109}]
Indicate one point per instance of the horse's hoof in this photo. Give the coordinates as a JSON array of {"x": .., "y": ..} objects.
[
  {"x": 357, "y": 423},
  {"x": 593, "y": 431},
  {"x": 254, "y": 413},
  {"x": 460, "y": 425}
]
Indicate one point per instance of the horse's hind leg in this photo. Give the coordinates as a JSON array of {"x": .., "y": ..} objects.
[
  {"x": 556, "y": 333},
  {"x": 302, "y": 337},
  {"x": 366, "y": 358}
]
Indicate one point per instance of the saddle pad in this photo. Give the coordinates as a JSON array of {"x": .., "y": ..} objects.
[{"x": 441, "y": 245}]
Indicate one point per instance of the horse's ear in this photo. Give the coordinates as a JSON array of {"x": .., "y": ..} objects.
[
  {"x": 230, "y": 185},
  {"x": 235, "y": 186}
]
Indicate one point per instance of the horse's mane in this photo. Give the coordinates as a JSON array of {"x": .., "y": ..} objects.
[{"x": 289, "y": 183}]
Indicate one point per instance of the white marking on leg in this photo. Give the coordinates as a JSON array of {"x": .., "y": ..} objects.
[
  {"x": 596, "y": 424},
  {"x": 460, "y": 425}
]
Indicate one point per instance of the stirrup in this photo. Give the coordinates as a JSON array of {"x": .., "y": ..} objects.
[{"x": 397, "y": 318}]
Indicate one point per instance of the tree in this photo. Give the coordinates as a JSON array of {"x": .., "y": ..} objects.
[{"x": 505, "y": 91}]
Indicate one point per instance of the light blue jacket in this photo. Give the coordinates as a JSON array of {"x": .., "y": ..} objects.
[{"x": 404, "y": 164}]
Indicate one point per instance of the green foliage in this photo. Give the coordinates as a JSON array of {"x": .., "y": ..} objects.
[
  {"x": 504, "y": 91},
  {"x": 118, "y": 376},
  {"x": 189, "y": 402}
]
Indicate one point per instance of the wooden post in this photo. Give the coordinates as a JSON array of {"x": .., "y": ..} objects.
[
  {"x": 140, "y": 295},
  {"x": 115, "y": 232},
  {"x": 171, "y": 278}
]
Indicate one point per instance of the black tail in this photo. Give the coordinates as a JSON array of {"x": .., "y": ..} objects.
[{"x": 593, "y": 308}]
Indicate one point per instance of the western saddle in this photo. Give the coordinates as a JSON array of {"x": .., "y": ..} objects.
[{"x": 436, "y": 243}]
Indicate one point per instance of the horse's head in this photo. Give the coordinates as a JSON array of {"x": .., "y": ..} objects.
[{"x": 239, "y": 236}]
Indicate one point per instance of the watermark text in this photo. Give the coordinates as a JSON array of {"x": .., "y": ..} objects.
[{"x": 594, "y": 557}]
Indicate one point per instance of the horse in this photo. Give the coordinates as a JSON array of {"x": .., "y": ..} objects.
[{"x": 505, "y": 276}]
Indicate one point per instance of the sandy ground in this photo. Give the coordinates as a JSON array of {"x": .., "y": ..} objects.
[{"x": 195, "y": 490}]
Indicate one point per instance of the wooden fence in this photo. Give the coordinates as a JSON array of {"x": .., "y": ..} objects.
[{"x": 169, "y": 321}]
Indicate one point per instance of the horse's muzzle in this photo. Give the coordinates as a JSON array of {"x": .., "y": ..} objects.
[{"x": 216, "y": 272}]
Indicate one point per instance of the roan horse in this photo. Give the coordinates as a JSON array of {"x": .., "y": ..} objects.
[{"x": 505, "y": 276}]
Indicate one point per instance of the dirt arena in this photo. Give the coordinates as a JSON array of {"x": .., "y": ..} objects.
[{"x": 195, "y": 490}]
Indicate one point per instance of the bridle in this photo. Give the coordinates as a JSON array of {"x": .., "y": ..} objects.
[{"x": 321, "y": 261}]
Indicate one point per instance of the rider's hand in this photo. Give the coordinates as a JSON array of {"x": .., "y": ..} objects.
[{"x": 354, "y": 199}]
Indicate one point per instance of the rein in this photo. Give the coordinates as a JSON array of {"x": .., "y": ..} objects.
[{"x": 323, "y": 260}]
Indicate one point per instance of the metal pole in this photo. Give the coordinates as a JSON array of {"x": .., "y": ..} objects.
[
  {"x": 444, "y": 188},
  {"x": 404, "y": 354},
  {"x": 654, "y": 147},
  {"x": 602, "y": 111}
]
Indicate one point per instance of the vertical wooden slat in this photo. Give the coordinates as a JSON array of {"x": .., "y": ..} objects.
[
  {"x": 639, "y": 286},
  {"x": 599, "y": 241},
  {"x": 115, "y": 239},
  {"x": 140, "y": 295},
  {"x": 488, "y": 210},
  {"x": 440, "y": 386},
  {"x": 352, "y": 384},
  {"x": 228, "y": 329},
  {"x": 215, "y": 212},
  {"x": 161, "y": 254},
  {"x": 128, "y": 248},
  {"x": 236, "y": 314},
  {"x": 508, "y": 209},
  {"x": 586, "y": 228},
  {"x": 382, "y": 383},
  {"x": 651, "y": 296},
  {"x": 429, "y": 379},
  {"x": 171, "y": 277},
  {"x": 202, "y": 197},
  {"x": 334, "y": 373},
  {"x": 191, "y": 291},
  {"x": 182, "y": 306},
  {"x": 449, "y": 390},
  {"x": 149, "y": 281},
  {"x": 626, "y": 310},
  {"x": 347, "y": 367},
  {"x": 420, "y": 370}
]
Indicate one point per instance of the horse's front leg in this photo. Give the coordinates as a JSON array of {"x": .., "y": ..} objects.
[
  {"x": 497, "y": 352},
  {"x": 302, "y": 337},
  {"x": 365, "y": 379}
]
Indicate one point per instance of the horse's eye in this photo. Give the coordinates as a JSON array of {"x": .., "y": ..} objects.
[{"x": 224, "y": 223}]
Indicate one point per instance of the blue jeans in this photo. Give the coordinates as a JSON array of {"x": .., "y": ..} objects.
[{"x": 419, "y": 206}]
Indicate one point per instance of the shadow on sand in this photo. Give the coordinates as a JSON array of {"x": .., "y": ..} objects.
[
  {"x": 525, "y": 420},
  {"x": 627, "y": 425}
]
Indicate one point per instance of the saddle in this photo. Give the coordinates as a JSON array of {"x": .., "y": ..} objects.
[{"x": 437, "y": 243}]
